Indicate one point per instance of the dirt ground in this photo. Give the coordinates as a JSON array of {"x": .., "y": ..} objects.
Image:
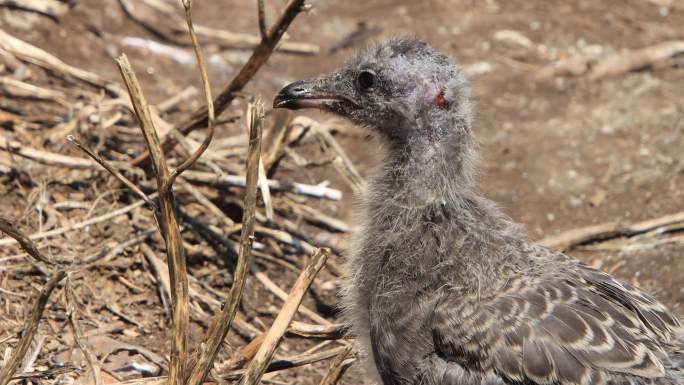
[{"x": 558, "y": 153}]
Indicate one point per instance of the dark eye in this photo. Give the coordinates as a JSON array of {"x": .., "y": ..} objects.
[{"x": 366, "y": 79}]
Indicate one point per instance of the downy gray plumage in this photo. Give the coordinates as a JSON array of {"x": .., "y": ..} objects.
[{"x": 440, "y": 286}]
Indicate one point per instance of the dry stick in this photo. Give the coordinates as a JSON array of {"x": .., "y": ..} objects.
[
  {"x": 221, "y": 324},
  {"x": 30, "y": 328},
  {"x": 258, "y": 365},
  {"x": 53, "y": 159},
  {"x": 19, "y": 89},
  {"x": 187, "y": 4},
  {"x": 71, "y": 139},
  {"x": 169, "y": 225},
  {"x": 287, "y": 363},
  {"x": 261, "y": 13},
  {"x": 330, "y": 332},
  {"x": 610, "y": 230},
  {"x": 623, "y": 62},
  {"x": 337, "y": 368},
  {"x": 342, "y": 161},
  {"x": 298, "y": 329},
  {"x": 316, "y": 191},
  {"x": 80, "y": 225},
  {"x": 42, "y": 58},
  {"x": 244, "y": 355},
  {"x": 206, "y": 202},
  {"x": 173, "y": 101},
  {"x": 78, "y": 333},
  {"x": 273, "y": 288},
  {"x": 259, "y": 57},
  {"x": 52, "y": 8},
  {"x": 160, "y": 271},
  {"x": 44, "y": 157},
  {"x": 8, "y": 228}
]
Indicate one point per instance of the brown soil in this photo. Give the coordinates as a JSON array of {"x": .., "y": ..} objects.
[{"x": 557, "y": 154}]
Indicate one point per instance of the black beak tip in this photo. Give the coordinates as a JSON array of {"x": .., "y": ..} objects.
[
  {"x": 285, "y": 101},
  {"x": 291, "y": 95}
]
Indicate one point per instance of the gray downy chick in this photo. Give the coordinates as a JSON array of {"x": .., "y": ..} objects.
[{"x": 441, "y": 287}]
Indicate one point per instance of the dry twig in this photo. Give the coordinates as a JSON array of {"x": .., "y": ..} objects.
[
  {"x": 80, "y": 225},
  {"x": 258, "y": 58},
  {"x": 338, "y": 367},
  {"x": 221, "y": 324},
  {"x": 606, "y": 231},
  {"x": 615, "y": 64},
  {"x": 70, "y": 301},
  {"x": 169, "y": 225},
  {"x": 52, "y": 8},
  {"x": 8, "y": 228},
  {"x": 30, "y": 327},
  {"x": 187, "y": 4},
  {"x": 272, "y": 339}
]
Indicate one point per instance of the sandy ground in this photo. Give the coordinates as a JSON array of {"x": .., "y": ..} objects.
[{"x": 557, "y": 153}]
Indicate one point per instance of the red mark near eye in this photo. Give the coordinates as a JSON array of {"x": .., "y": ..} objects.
[{"x": 440, "y": 101}]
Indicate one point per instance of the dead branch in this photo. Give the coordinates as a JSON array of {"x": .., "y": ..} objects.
[
  {"x": 161, "y": 272},
  {"x": 70, "y": 301},
  {"x": 32, "y": 54},
  {"x": 80, "y": 225},
  {"x": 187, "y": 4},
  {"x": 8, "y": 228},
  {"x": 317, "y": 191},
  {"x": 51, "y": 8},
  {"x": 169, "y": 225},
  {"x": 292, "y": 362},
  {"x": 261, "y": 360},
  {"x": 341, "y": 161},
  {"x": 19, "y": 89},
  {"x": 173, "y": 101},
  {"x": 30, "y": 328},
  {"x": 263, "y": 25},
  {"x": 44, "y": 157},
  {"x": 627, "y": 61},
  {"x": 71, "y": 139},
  {"x": 276, "y": 365},
  {"x": 259, "y": 57},
  {"x": 278, "y": 292},
  {"x": 606, "y": 231},
  {"x": 221, "y": 324},
  {"x": 614, "y": 64},
  {"x": 338, "y": 367},
  {"x": 331, "y": 331}
]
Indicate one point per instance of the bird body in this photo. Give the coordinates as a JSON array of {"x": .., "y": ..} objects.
[{"x": 440, "y": 286}]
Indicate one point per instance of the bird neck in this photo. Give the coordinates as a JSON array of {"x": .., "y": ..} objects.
[{"x": 425, "y": 171}]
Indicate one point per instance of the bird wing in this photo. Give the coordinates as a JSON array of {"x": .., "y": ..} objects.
[{"x": 572, "y": 328}]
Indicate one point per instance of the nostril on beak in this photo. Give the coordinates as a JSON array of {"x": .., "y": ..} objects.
[
  {"x": 291, "y": 94},
  {"x": 299, "y": 90}
]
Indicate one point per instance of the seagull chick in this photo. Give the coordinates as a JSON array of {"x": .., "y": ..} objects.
[{"x": 440, "y": 286}]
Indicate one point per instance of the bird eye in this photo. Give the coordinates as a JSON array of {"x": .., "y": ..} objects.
[{"x": 366, "y": 79}]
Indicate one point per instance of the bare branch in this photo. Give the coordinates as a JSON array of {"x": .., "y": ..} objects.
[
  {"x": 261, "y": 360},
  {"x": 30, "y": 328},
  {"x": 71, "y": 139},
  {"x": 259, "y": 57},
  {"x": 8, "y": 228},
  {"x": 221, "y": 324},
  {"x": 338, "y": 367},
  {"x": 78, "y": 333},
  {"x": 187, "y": 4},
  {"x": 263, "y": 27},
  {"x": 169, "y": 226}
]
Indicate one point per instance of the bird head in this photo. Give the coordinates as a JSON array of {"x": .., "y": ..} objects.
[{"x": 401, "y": 88}]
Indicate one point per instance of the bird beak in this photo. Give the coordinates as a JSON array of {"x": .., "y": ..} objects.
[{"x": 310, "y": 94}]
